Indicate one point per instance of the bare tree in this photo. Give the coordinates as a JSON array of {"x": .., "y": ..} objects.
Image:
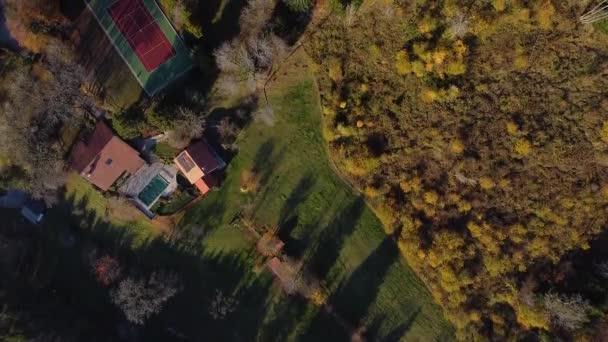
[
  {"x": 221, "y": 306},
  {"x": 233, "y": 57},
  {"x": 227, "y": 131},
  {"x": 526, "y": 293},
  {"x": 248, "y": 59},
  {"x": 266, "y": 49},
  {"x": 265, "y": 115},
  {"x": 139, "y": 299},
  {"x": 459, "y": 26},
  {"x": 227, "y": 85},
  {"x": 39, "y": 103},
  {"x": 261, "y": 50},
  {"x": 188, "y": 125},
  {"x": 255, "y": 16},
  {"x": 177, "y": 15},
  {"x": 602, "y": 269},
  {"x": 350, "y": 15},
  {"x": 568, "y": 312}
]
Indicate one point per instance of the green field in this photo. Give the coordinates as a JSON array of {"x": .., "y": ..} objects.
[
  {"x": 321, "y": 221},
  {"x": 153, "y": 81}
]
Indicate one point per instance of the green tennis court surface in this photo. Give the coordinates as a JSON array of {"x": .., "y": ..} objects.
[
  {"x": 136, "y": 29},
  {"x": 153, "y": 190}
]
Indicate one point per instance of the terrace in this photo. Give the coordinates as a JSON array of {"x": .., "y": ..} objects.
[{"x": 148, "y": 184}]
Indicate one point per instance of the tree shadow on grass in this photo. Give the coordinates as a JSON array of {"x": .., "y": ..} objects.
[
  {"x": 79, "y": 308},
  {"x": 265, "y": 163},
  {"x": 352, "y": 299},
  {"x": 219, "y": 20},
  {"x": 324, "y": 327},
  {"x": 326, "y": 251},
  {"x": 290, "y": 25},
  {"x": 288, "y": 217},
  {"x": 239, "y": 115},
  {"x": 201, "y": 275},
  {"x": 372, "y": 332},
  {"x": 106, "y": 70},
  {"x": 204, "y": 218},
  {"x": 298, "y": 195},
  {"x": 283, "y": 317}
]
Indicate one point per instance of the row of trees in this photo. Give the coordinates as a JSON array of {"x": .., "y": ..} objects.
[
  {"x": 475, "y": 130},
  {"x": 41, "y": 98}
]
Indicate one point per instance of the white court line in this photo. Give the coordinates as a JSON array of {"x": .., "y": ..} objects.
[{"x": 145, "y": 53}]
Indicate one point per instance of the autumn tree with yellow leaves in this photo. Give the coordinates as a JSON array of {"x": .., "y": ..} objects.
[{"x": 481, "y": 141}]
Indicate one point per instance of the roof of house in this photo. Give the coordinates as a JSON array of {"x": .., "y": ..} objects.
[
  {"x": 204, "y": 157},
  {"x": 202, "y": 186},
  {"x": 275, "y": 266},
  {"x": 270, "y": 245},
  {"x": 205, "y": 183},
  {"x": 104, "y": 157},
  {"x": 198, "y": 161}
]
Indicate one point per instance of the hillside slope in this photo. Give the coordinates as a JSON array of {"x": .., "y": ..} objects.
[{"x": 479, "y": 132}]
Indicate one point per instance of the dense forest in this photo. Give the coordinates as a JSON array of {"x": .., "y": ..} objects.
[{"x": 478, "y": 132}]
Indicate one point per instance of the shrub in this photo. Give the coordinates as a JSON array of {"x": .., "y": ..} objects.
[
  {"x": 604, "y": 132},
  {"x": 298, "y": 5},
  {"x": 402, "y": 64},
  {"x": 455, "y": 68},
  {"x": 486, "y": 183},
  {"x": 431, "y": 197},
  {"x": 499, "y": 5},
  {"x": 523, "y": 147},
  {"x": 567, "y": 312},
  {"x": 456, "y": 147},
  {"x": 107, "y": 270},
  {"x": 318, "y": 297}
]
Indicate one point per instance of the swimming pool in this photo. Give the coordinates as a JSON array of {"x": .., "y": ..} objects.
[{"x": 153, "y": 190}]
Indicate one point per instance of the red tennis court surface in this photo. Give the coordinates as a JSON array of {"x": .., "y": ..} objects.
[{"x": 142, "y": 32}]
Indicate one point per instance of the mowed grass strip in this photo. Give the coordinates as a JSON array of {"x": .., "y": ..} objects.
[{"x": 321, "y": 221}]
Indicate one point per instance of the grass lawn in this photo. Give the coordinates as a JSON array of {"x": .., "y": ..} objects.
[
  {"x": 119, "y": 213},
  {"x": 166, "y": 152},
  {"x": 321, "y": 221},
  {"x": 81, "y": 191},
  {"x": 98, "y": 55}
]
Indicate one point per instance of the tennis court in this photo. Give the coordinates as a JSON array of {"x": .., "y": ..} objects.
[
  {"x": 142, "y": 33},
  {"x": 145, "y": 39}
]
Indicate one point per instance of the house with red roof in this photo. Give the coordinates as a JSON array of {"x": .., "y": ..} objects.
[
  {"x": 103, "y": 157},
  {"x": 197, "y": 162}
]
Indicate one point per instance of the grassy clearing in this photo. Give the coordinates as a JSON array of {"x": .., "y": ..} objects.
[
  {"x": 320, "y": 220},
  {"x": 81, "y": 191},
  {"x": 118, "y": 212},
  {"x": 122, "y": 90}
]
